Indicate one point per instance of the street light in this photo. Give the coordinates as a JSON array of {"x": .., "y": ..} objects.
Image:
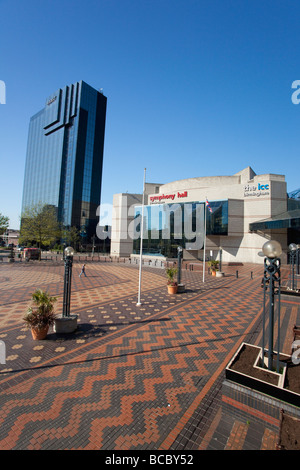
[
  {"x": 179, "y": 252},
  {"x": 139, "y": 303},
  {"x": 221, "y": 253},
  {"x": 272, "y": 250},
  {"x": 294, "y": 258},
  {"x": 66, "y": 323},
  {"x": 93, "y": 240},
  {"x": 181, "y": 287},
  {"x": 292, "y": 246},
  {"x": 68, "y": 252}
]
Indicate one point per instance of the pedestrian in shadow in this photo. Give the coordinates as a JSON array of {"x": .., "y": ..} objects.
[{"x": 82, "y": 270}]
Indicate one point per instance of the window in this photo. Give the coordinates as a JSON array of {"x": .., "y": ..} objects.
[{"x": 165, "y": 228}]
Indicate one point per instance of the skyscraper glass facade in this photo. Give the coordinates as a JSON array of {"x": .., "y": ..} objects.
[{"x": 65, "y": 155}]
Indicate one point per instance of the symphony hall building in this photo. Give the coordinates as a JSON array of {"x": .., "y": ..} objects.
[{"x": 244, "y": 211}]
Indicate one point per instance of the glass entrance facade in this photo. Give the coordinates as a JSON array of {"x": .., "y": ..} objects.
[{"x": 167, "y": 226}]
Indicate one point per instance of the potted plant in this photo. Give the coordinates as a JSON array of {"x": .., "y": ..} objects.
[
  {"x": 41, "y": 315},
  {"x": 172, "y": 284},
  {"x": 214, "y": 266}
]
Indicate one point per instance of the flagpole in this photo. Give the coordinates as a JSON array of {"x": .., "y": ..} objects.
[
  {"x": 204, "y": 244},
  {"x": 141, "y": 243}
]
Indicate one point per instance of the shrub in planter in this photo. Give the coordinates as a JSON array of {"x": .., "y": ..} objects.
[
  {"x": 214, "y": 266},
  {"x": 171, "y": 283},
  {"x": 41, "y": 315}
]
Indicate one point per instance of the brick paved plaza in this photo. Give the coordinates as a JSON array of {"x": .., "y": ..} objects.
[{"x": 130, "y": 378}]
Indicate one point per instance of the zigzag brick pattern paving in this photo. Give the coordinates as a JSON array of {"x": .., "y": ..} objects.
[{"x": 130, "y": 377}]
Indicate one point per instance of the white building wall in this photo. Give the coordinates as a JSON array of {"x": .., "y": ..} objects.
[{"x": 121, "y": 241}]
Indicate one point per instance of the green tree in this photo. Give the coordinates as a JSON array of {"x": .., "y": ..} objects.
[
  {"x": 4, "y": 223},
  {"x": 39, "y": 224},
  {"x": 71, "y": 236}
]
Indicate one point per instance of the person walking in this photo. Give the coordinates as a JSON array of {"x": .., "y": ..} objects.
[{"x": 82, "y": 270}]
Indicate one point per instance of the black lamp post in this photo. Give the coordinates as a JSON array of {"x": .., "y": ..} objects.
[
  {"x": 11, "y": 256},
  {"x": 179, "y": 253},
  {"x": 68, "y": 258},
  {"x": 220, "y": 263},
  {"x": 181, "y": 287},
  {"x": 66, "y": 322},
  {"x": 271, "y": 280},
  {"x": 93, "y": 240},
  {"x": 294, "y": 260}
]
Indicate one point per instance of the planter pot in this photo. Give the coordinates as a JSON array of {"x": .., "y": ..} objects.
[
  {"x": 296, "y": 332},
  {"x": 65, "y": 324},
  {"x": 252, "y": 393},
  {"x": 219, "y": 274},
  {"x": 39, "y": 333},
  {"x": 265, "y": 381},
  {"x": 213, "y": 273},
  {"x": 289, "y": 291},
  {"x": 172, "y": 289},
  {"x": 289, "y": 432}
]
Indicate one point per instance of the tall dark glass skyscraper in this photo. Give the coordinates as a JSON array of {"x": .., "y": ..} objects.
[{"x": 65, "y": 154}]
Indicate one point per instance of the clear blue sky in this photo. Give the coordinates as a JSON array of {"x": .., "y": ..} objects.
[{"x": 194, "y": 87}]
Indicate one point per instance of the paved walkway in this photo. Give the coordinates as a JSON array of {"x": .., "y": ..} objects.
[{"x": 130, "y": 378}]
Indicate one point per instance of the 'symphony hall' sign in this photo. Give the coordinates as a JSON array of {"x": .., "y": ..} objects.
[{"x": 163, "y": 197}]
